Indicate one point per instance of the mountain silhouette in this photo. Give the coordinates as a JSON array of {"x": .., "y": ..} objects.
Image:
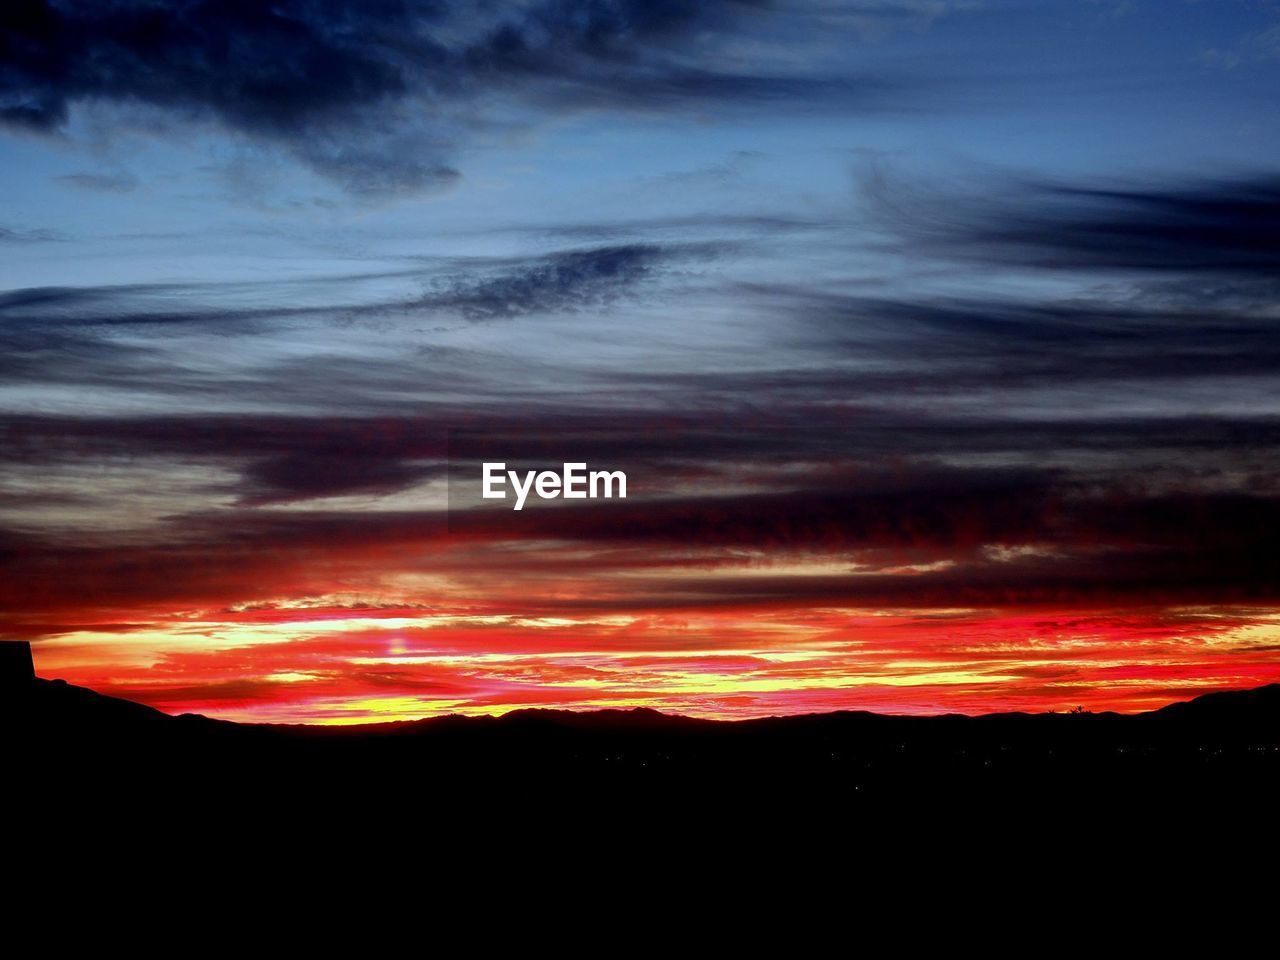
[{"x": 1220, "y": 746}]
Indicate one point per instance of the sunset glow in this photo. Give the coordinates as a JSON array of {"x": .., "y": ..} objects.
[{"x": 334, "y": 664}]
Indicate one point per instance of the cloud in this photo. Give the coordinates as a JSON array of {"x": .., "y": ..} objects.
[
  {"x": 1211, "y": 227},
  {"x": 12, "y": 235},
  {"x": 972, "y": 342},
  {"x": 377, "y": 96},
  {"x": 1129, "y": 286},
  {"x": 1262, "y": 45},
  {"x": 908, "y": 550},
  {"x": 100, "y": 182},
  {"x": 569, "y": 280},
  {"x": 121, "y": 337},
  {"x": 477, "y": 288},
  {"x": 978, "y": 514}
]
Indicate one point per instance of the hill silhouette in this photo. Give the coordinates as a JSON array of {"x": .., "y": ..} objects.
[{"x": 59, "y": 737}]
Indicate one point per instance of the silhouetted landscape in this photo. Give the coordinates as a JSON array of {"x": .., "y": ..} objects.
[
  {"x": 1217, "y": 746},
  {"x": 871, "y": 369}
]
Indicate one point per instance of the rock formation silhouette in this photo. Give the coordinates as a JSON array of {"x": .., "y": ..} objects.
[{"x": 17, "y": 669}]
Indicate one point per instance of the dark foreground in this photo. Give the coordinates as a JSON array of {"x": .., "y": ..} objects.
[{"x": 60, "y": 741}]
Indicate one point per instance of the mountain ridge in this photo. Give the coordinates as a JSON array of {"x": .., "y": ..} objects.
[
  {"x": 1234, "y": 702},
  {"x": 58, "y": 739}
]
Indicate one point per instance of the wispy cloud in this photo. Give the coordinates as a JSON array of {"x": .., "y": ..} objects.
[{"x": 100, "y": 182}]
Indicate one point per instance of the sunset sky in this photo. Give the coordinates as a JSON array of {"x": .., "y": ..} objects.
[{"x": 938, "y": 341}]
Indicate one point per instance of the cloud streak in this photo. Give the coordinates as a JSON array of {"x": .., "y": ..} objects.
[{"x": 1209, "y": 227}]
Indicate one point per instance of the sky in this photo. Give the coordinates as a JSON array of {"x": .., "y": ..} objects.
[{"x": 938, "y": 341}]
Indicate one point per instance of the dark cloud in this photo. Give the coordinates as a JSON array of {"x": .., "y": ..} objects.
[
  {"x": 265, "y": 67},
  {"x": 376, "y": 94},
  {"x": 871, "y": 453},
  {"x": 12, "y": 235},
  {"x": 305, "y": 474},
  {"x": 279, "y": 459},
  {"x": 905, "y": 509},
  {"x": 1212, "y": 227},
  {"x": 92, "y": 306},
  {"x": 709, "y": 432},
  {"x": 30, "y": 355},
  {"x": 951, "y": 539},
  {"x": 558, "y": 282},
  {"x": 972, "y": 343}
]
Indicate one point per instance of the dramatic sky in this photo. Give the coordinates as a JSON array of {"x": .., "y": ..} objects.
[{"x": 938, "y": 341}]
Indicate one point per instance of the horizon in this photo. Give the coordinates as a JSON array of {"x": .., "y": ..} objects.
[
  {"x": 1079, "y": 710},
  {"x": 937, "y": 345}
]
